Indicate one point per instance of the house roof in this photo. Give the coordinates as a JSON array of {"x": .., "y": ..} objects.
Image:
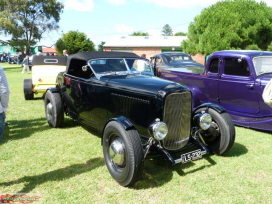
[{"x": 145, "y": 41}]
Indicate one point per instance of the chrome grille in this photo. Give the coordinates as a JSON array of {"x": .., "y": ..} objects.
[{"x": 177, "y": 116}]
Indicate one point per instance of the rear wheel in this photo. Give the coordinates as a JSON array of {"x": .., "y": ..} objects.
[
  {"x": 54, "y": 109},
  {"x": 28, "y": 89},
  {"x": 221, "y": 134},
  {"x": 123, "y": 153}
]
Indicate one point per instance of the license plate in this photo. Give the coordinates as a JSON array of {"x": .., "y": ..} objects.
[{"x": 190, "y": 156}]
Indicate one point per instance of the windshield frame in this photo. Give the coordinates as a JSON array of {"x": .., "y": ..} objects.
[{"x": 128, "y": 70}]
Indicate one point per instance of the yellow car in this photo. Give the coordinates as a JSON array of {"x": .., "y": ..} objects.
[{"x": 44, "y": 73}]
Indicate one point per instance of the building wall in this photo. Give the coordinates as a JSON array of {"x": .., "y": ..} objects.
[
  {"x": 199, "y": 58},
  {"x": 148, "y": 51}
]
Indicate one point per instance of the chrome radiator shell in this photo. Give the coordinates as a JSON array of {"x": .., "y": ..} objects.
[{"x": 177, "y": 116}]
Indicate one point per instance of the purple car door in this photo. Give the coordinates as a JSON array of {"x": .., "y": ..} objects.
[{"x": 237, "y": 87}]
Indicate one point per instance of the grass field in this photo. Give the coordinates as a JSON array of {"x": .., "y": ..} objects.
[{"x": 66, "y": 165}]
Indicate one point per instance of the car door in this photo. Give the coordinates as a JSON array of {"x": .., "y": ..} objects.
[
  {"x": 237, "y": 87},
  {"x": 210, "y": 87},
  {"x": 94, "y": 102},
  {"x": 89, "y": 97},
  {"x": 85, "y": 95}
]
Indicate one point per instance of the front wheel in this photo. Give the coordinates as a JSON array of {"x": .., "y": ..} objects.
[
  {"x": 53, "y": 109},
  {"x": 221, "y": 134},
  {"x": 123, "y": 153}
]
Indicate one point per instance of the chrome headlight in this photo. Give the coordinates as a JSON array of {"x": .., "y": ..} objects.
[
  {"x": 158, "y": 130},
  {"x": 203, "y": 120}
]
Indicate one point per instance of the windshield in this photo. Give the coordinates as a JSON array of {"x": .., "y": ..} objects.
[
  {"x": 178, "y": 58},
  {"x": 262, "y": 65},
  {"x": 119, "y": 66}
]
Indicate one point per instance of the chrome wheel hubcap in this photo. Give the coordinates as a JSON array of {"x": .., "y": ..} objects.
[
  {"x": 117, "y": 152},
  {"x": 49, "y": 110}
]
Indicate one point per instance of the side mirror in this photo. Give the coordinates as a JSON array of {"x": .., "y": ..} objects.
[{"x": 85, "y": 68}]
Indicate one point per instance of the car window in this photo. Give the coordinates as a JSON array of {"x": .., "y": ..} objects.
[
  {"x": 76, "y": 69},
  {"x": 214, "y": 65},
  {"x": 152, "y": 60},
  {"x": 236, "y": 67},
  {"x": 159, "y": 60},
  {"x": 120, "y": 66},
  {"x": 179, "y": 58},
  {"x": 108, "y": 65}
]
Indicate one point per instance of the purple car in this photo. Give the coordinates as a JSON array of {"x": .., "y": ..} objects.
[{"x": 234, "y": 79}]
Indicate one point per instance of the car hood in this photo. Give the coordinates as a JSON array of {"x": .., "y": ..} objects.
[{"x": 137, "y": 83}]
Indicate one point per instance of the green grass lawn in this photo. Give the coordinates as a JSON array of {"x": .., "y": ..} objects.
[{"x": 66, "y": 165}]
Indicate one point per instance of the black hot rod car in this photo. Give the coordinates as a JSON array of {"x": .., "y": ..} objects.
[{"x": 139, "y": 116}]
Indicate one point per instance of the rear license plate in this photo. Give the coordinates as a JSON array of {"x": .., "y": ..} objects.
[{"x": 190, "y": 156}]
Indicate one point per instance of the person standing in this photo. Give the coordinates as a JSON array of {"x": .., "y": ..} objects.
[
  {"x": 64, "y": 52},
  {"x": 141, "y": 64},
  {"x": 26, "y": 65},
  {"x": 4, "y": 99}
]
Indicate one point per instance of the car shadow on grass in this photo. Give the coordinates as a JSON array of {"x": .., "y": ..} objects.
[
  {"x": 30, "y": 182},
  {"x": 20, "y": 129},
  {"x": 158, "y": 171},
  {"x": 236, "y": 150}
]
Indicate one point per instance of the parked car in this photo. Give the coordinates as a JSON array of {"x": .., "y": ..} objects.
[
  {"x": 44, "y": 72},
  {"x": 138, "y": 116},
  {"x": 234, "y": 79},
  {"x": 176, "y": 60},
  {"x": 13, "y": 59}
]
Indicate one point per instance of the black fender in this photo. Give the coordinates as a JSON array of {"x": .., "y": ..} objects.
[
  {"x": 126, "y": 124},
  {"x": 53, "y": 90},
  {"x": 213, "y": 106},
  {"x": 73, "y": 114}
]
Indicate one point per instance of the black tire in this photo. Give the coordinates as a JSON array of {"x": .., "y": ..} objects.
[
  {"x": 54, "y": 111},
  {"x": 123, "y": 153},
  {"x": 28, "y": 89},
  {"x": 221, "y": 135}
]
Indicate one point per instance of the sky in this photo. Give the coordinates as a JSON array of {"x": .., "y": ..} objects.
[{"x": 101, "y": 20}]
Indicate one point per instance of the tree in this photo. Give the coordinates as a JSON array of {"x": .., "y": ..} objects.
[
  {"x": 139, "y": 33},
  {"x": 74, "y": 42},
  {"x": 167, "y": 30},
  {"x": 252, "y": 47},
  {"x": 269, "y": 48},
  {"x": 26, "y": 20},
  {"x": 180, "y": 34},
  {"x": 230, "y": 24},
  {"x": 100, "y": 46}
]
